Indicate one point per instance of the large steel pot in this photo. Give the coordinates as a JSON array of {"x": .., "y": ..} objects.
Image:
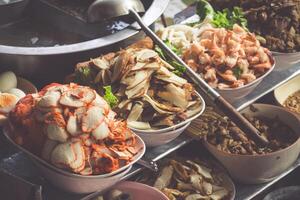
[{"x": 44, "y": 64}]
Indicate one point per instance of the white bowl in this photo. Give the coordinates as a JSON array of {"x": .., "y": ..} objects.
[
  {"x": 77, "y": 183},
  {"x": 254, "y": 169},
  {"x": 171, "y": 128},
  {"x": 284, "y": 91},
  {"x": 233, "y": 94},
  {"x": 156, "y": 139},
  {"x": 82, "y": 185}
]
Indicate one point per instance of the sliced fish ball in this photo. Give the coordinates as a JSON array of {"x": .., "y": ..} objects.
[
  {"x": 99, "y": 101},
  {"x": 50, "y": 99},
  {"x": 7, "y": 102},
  {"x": 79, "y": 161},
  {"x": 8, "y": 80},
  {"x": 101, "y": 132},
  {"x": 63, "y": 155},
  {"x": 57, "y": 133},
  {"x": 93, "y": 117},
  {"x": 88, "y": 95},
  {"x": 72, "y": 126},
  {"x": 68, "y": 100},
  {"x": 80, "y": 112},
  {"x": 78, "y": 97}
]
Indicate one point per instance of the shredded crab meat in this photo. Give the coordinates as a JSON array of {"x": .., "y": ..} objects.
[{"x": 72, "y": 127}]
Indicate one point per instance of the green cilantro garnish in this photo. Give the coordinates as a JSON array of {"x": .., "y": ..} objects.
[
  {"x": 220, "y": 19},
  {"x": 111, "y": 99},
  {"x": 172, "y": 47},
  {"x": 226, "y": 18},
  {"x": 179, "y": 69},
  {"x": 160, "y": 52}
]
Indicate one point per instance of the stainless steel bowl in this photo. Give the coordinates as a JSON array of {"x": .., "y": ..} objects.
[{"x": 45, "y": 64}]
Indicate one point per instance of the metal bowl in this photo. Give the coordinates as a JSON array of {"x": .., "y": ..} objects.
[{"x": 45, "y": 64}]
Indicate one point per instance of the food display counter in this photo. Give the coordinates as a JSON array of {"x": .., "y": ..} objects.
[{"x": 153, "y": 118}]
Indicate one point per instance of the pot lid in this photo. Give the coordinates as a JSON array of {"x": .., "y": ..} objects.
[{"x": 64, "y": 32}]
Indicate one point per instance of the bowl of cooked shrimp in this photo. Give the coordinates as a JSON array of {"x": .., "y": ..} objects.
[{"x": 232, "y": 61}]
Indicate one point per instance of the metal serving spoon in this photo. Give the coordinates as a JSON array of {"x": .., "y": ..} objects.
[{"x": 108, "y": 9}]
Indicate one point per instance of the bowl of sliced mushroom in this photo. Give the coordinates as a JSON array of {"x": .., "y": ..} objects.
[{"x": 144, "y": 90}]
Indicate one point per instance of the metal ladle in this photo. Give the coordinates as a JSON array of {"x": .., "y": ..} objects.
[{"x": 107, "y": 9}]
